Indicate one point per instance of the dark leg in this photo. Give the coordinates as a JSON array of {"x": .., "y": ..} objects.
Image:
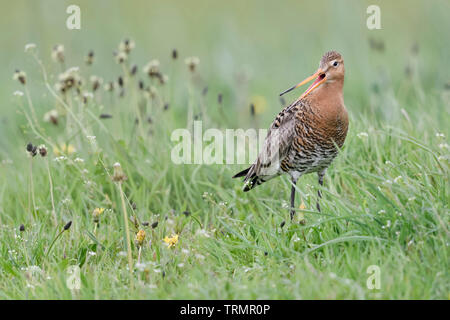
[
  {"x": 321, "y": 174},
  {"x": 294, "y": 182}
]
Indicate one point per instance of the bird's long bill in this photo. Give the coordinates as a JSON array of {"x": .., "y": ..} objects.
[{"x": 319, "y": 80}]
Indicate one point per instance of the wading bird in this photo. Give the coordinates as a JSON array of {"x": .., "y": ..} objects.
[{"x": 305, "y": 136}]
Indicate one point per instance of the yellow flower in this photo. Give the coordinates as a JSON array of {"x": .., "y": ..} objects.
[
  {"x": 171, "y": 241},
  {"x": 259, "y": 103},
  {"x": 300, "y": 215},
  {"x": 302, "y": 206},
  {"x": 140, "y": 237},
  {"x": 97, "y": 212},
  {"x": 66, "y": 149}
]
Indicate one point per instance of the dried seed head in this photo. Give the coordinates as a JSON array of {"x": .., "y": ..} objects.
[
  {"x": 186, "y": 213},
  {"x": 126, "y": 45},
  {"x": 133, "y": 69},
  {"x": 109, "y": 86},
  {"x": 58, "y": 53},
  {"x": 105, "y": 116},
  {"x": 20, "y": 76},
  {"x": 140, "y": 237},
  {"x": 252, "y": 109},
  {"x": 51, "y": 116},
  {"x": 42, "y": 150},
  {"x": 118, "y": 175},
  {"x": 69, "y": 79},
  {"x": 22, "y": 228},
  {"x": 152, "y": 69},
  {"x": 192, "y": 63},
  {"x": 282, "y": 224},
  {"x": 89, "y": 58},
  {"x": 166, "y": 106},
  {"x": 163, "y": 79},
  {"x": 219, "y": 98},
  {"x": 67, "y": 226},
  {"x": 120, "y": 81},
  {"x": 86, "y": 96},
  {"x": 141, "y": 85},
  {"x": 34, "y": 151},
  {"x": 96, "y": 82},
  {"x": 121, "y": 57},
  {"x": 29, "y": 147},
  {"x": 145, "y": 223},
  {"x": 151, "y": 92},
  {"x": 154, "y": 224},
  {"x": 174, "y": 54}
]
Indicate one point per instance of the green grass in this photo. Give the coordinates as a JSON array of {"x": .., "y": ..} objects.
[{"x": 385, "y": 198}]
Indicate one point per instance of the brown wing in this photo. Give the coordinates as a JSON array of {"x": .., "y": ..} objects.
[{"x": 276, "y": 147}]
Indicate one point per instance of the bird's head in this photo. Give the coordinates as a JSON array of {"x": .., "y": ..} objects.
[{"x": 331, "y": 69}]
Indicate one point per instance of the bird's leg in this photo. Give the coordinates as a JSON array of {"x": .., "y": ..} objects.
[
  {"x": 294, "y": 182},
  {"x": 321, "y": 174}
]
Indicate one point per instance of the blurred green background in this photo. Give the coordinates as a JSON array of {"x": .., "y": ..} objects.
[{"x": 246, "y": 48}]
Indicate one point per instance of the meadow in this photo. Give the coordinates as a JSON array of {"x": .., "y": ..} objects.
[{"x": 87, "y": 178}]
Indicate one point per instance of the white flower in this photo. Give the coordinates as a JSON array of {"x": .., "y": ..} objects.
[
  {"x": 202, "y": 233},
  {"x": 91, "y": 139},
  {"x": 397, "y": 179},
  {"x": 92, "y": 253},
  {"x": 78, "y": 160},
  {"x": 18, "y": 93},
  {"x": 440, "y": 135},
  {"x": 151, "y": 67},
  {"x": 61, "y": 158},
  {"x": 199, "y": 256},
  {"x": 362, "y": 135},
  {"x": 180, "y": 265},
  {"x": 443, "y": 146},
  {"x": 122, "y": 254}
]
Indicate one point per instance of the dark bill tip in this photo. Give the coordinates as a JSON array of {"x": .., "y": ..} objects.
[{"x": 288, "y": 90}]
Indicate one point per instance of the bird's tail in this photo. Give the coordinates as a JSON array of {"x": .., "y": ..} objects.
[
  {"x": 243, "y": 173},
  {"x": 251, "y": 179}
]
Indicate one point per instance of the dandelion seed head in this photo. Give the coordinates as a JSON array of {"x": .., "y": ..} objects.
[
  {"x": 192, "y": 63},
  {"x": 58, "y": 53},
  {"x": 20, "y": 76}
]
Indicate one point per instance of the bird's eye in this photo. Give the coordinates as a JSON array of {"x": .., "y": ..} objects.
[{"x": 335, "y": 64}]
